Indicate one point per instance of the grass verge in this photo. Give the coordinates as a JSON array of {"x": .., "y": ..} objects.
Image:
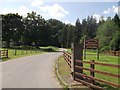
[
  {"x": 19, "y": 52},
  {"x": 59, "y": 75},
  {"x": 63, "y": 73}
]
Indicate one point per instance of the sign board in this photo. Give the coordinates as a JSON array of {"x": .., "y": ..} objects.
[{"x": 91, "y": 44}]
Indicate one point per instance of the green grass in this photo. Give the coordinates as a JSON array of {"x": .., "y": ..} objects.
[
  {"x": 20, "y": 53},
  {"x": 63, "y": 71},
  {"x": 63, "y": 67},
  {"x": 27, "y": 52},
  {"x": 92, "y": 55}
]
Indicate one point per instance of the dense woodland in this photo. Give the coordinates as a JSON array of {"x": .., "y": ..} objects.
[{"x": 34, "y": 30}]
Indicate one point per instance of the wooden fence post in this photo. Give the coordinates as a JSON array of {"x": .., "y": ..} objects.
[
  {"x": 84, "y": 50},
  {"x": 7, "y": 53},
  {"x": 98, "y": 54},
  {"x": 30, "y": 50},
  {"x": 92, "y": 74},
  {"x": 0, "y": 54},
  {"x": 77, "y": 54},
  {"x": 35, "y": 49},
  {"x": 26, "y": 51},
  {"x": 98, "y": 51},
  {"x": 21, "y": 51}
]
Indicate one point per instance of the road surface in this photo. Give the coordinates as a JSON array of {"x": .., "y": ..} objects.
[{"x": 35, "y": 71}]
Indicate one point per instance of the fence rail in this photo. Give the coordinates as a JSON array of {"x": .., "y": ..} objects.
[
  {"x": 3, "y": 53},
  {"x": 98, "y": 63},
  {"x": 67, "y": 57}
]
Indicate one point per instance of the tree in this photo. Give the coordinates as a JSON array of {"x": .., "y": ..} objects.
[
  {"x": 84, "y": 27},
  {"x": 106, "y": 32},
  {"x": 77, "y": 32},
  {"x": 70, "y": 31},
  {"x": 63, "y": 37},
  {"x": 91, "y": 27},
  {"x": 12, "y": 28},
  {"x": 115, "y": 43},
  {"x": 116, "y": 20},
  {"x": 55, "y": 27},
  {"x": 34, "y": 32},
  {"x": 101, "y": 21}
]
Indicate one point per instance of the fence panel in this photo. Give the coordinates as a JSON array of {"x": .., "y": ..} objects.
[
  {"x": 67, "y": 57},
  {"x": 93, "y": 71}
]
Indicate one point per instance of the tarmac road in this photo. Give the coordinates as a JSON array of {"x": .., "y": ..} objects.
[{"x": 35, "y": 71}]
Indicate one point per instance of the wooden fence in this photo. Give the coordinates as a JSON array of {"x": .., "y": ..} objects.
[
  {"x": 67, "y": 57},
  {"x": 92, "y": 70},
  {"x": 90, "y": 80},
  {"x": 3, "y": 53}
]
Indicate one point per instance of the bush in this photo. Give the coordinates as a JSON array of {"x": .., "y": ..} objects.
[{"x": 49, "y": 48}]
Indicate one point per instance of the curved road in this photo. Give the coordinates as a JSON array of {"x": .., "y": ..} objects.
[{"x": 35, "y": 71}]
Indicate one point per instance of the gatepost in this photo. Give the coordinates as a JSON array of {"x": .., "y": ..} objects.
[{"x": 77, "y": 54}]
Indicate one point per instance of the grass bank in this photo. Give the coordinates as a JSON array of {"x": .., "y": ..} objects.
[
  {"x": 65, "y": 73},
  {"x": 59, "y": 76},
  {"x": 63, "y": 68}
]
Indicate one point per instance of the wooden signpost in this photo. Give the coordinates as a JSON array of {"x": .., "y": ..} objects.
[{"x": 91, "y": 44}]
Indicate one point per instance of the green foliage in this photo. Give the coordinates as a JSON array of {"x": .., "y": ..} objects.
[
  {"x": 12, "y": 28},
  {"x": 109, "y": 34},
  {"x": 34, "y": 30},
  {"x": 70, "y": 36},
  {"x": 77, "y": 32},
  {"x": 89, "y": 27},
  {"x": 63, "y": 36},
  {"x": 105, "y": 33},
  {"x": 115, "y": 43},
  {"x": 49, "y": 49},
  {"x": 55, "y": 30},
  {"x": 104, "y": 48}
]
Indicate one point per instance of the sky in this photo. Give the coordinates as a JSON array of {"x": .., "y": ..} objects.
[{"x": 66, "y": 11}]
